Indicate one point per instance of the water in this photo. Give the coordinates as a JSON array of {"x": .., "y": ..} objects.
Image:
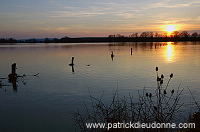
[{"x": 45, "y": 103}]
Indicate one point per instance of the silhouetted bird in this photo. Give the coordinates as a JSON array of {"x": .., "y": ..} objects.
[
  {"x": 72, "y": 63},
  {"x": 147, "y": 94}
]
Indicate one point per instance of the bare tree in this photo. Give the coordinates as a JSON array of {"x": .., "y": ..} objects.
[
  {"x": 165, "y": 34},
  {"x": 151, "y": 34},
  {"x": 195, "y": 34},
  {"x": 184, "y": 34},
  {"x": 134, "y": 35},
  {"x": 175, "y": 33}
]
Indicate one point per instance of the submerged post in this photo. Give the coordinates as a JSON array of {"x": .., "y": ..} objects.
[
  {"x": 12, "y": 77},
  {"x": 131, "y": 51},
  {"x": 73, "y": 69},
  {"x": 13, "y": 73},
  {"x": 13, "y": 69},
  {"x": 112, "y": 55},
  {"x": 72, "y": 63}
]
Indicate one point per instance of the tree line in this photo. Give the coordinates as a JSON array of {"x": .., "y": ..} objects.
[
  {"x": 135, "y": 37},
  {"x": 174, "y": 34}
]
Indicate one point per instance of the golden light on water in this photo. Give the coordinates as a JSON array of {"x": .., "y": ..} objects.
[{"x": 169, "y": 51}]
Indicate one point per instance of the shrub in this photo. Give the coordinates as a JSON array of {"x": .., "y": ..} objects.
[{"x": 160, "y": 106}]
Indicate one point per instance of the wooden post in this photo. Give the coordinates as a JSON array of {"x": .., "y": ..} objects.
[
  {"x": 13, "y": 76},
  {"x": 72, "y": 60},
  {"x": 13, "y": 69},
  {"x": 13, "y": 73},
  {"x": 112, "y": 55},
  {"x": 131, "y": 51},
  {"x": 73, "y": 69},
  {"x": 14, "y": 85},
  {"x": 72, "y": 63}
]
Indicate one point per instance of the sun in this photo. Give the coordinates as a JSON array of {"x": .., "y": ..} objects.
[{"x": 170, "y": 28}]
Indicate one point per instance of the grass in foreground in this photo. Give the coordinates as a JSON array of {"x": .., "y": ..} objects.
[{"x": 161, "y": 106}]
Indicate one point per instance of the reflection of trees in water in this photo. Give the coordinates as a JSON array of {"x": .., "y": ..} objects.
[{"x": 135, "y": 46}]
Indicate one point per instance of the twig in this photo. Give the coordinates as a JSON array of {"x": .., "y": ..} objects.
[{"x": 194, "y": 99}]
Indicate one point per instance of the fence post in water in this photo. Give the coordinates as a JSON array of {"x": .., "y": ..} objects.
[
  {"x": 72, "y": 63},
  {"x": 13, "y": 73},
  {"x": 13, "y": 69},
  {"x": 131, "y": 51},
  {"x": 13, "y": 76},
  {"x": 112, "y": 55}
]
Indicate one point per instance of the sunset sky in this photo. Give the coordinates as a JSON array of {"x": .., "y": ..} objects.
[{"x": 80, "y": 18}]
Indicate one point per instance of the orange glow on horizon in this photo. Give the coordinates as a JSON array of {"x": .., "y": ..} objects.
[{"x": 170, "y": 28}]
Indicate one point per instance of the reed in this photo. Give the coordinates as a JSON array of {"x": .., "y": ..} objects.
[{"x": 160, "y": 106}]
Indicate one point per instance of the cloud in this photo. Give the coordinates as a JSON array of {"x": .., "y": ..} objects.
[
  {"x": 173, "y": 4},
  {"x": 95, "y": 9},
  {"x": 79, "y": 14},
  {"x": 198, "y": 18},
  {"x": 58, "y": 5},
  {"x": 45, "y": 29},
  {"x": 126, "y": 15},
  {"x": 19, "y": 5},
  {"x": 54, "y": 29},
  {"x": 62, "y": 28}
]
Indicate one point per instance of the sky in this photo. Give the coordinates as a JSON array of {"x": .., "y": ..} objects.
[{"x": 22, "y": 19}]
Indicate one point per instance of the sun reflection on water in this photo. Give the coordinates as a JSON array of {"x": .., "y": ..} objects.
[{"x": 170, "y": 52}]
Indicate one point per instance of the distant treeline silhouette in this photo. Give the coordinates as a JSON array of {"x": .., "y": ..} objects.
[{"x": 135, "y": 37}]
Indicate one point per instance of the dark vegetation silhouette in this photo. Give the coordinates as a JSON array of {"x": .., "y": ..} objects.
[
  {"x": 135, "y": 37},
  {"x": 8, "y": 40},
  {"x": 160, "y": 106}
]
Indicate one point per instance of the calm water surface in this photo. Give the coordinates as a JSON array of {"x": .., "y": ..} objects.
[{"x": 45, "y": 103}]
